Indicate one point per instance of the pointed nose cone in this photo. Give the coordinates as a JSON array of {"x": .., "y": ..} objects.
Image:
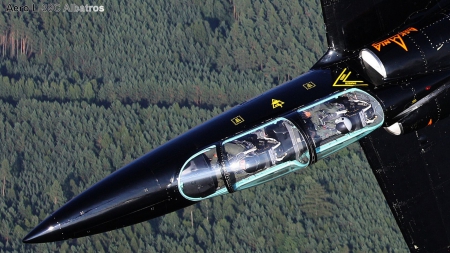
[
  {"x": 140, "y": 191},
  {"x": 44, "y": 232}
]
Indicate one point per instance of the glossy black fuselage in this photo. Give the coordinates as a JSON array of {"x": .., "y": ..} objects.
[{"x": 147, "y": 188}]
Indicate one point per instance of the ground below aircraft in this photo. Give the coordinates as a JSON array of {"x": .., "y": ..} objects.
[{"x": 384, "y": 81}]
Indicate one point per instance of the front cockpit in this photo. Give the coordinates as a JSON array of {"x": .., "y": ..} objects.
[
  {"x": 249, "y": 159},
  {"x": 280, "y": 146}
]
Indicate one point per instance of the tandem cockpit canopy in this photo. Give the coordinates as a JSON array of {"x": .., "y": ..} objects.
[{"x": 280, "y": 146}]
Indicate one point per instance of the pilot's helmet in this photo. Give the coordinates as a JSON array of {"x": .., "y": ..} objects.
[
  {"x": 251, "y": 164},
  {"x": 343, "y": 125}
]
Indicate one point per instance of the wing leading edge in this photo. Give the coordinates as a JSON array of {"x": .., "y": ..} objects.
[
  {"x": 351, "y": 24},
  {"x": 413, "y": 171}
]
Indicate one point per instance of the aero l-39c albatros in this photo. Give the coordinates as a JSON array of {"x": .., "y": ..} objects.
[{"x": 384, "y": 81}]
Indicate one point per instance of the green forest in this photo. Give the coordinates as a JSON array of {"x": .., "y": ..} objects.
[{"x": 84, "y": 93}]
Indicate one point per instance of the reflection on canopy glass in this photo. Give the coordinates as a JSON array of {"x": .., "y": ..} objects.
[{"x": 249, "y": 159}]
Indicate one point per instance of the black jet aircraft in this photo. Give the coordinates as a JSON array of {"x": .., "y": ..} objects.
[{"x": 384, "y": 82}]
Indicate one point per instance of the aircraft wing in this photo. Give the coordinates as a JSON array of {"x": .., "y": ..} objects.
[
  {"x": 351, "y": 24},
  {"x": 413, "y": 171}
]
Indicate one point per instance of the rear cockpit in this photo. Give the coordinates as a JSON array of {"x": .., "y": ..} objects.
[{"x": 339, "y": 119}]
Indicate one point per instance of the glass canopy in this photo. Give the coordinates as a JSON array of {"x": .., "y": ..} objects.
[
  {"x": 254, "y": 157},
  {"x": 278, "y": 147}
]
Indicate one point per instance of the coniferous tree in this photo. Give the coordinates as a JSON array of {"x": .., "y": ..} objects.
[{"x": 315, "y": 203}]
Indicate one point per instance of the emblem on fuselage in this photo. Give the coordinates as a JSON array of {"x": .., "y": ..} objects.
[
  {"x": 237, "y": 120},
  {"x": 397, "y": 39},
  {"x": 309, "y": 85},
  {"x": 277, "y": 103},
  {"x": 342, "y": 80}
]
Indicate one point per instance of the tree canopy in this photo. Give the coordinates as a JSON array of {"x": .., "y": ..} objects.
[{"x": 82, "y": 94}]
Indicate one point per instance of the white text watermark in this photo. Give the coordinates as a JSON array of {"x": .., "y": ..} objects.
[{"x": 54, "y": 8}]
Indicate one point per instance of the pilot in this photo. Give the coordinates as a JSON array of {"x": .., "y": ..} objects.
[
  {"x": 361, "y": 113},
  {"x": 320, "y": 121},
  {"x": 255, "y": 162},
  {"x": 339, "y": 116},
  {"x": 252, "y": 153},
  {"x": 237, "y": 147}
]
